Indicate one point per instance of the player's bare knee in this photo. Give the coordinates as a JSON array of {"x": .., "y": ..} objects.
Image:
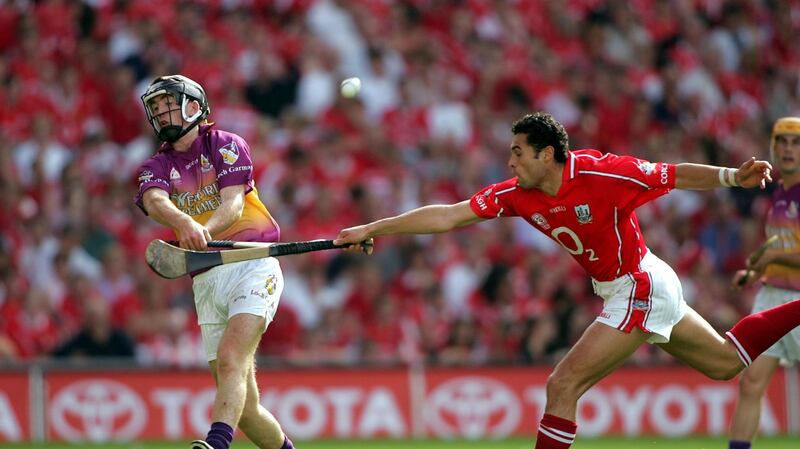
[
  {"x": 751, "y": 385},
  {"x": 725, "y": 371},
  {"x": 560, "y": 386},
  {"x": 230, "y": 365}
]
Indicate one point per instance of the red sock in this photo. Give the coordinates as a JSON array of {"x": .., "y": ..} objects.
[
  {"x": 555, "y": 433},
  {"x": 755, "y": 333}
]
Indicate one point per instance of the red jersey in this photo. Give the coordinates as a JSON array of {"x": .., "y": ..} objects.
[{"x": 592, "y": 216}]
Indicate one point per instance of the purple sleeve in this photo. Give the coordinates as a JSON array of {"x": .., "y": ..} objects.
[
  {"x": 150, "y": 174},
  {"x": 234, "y": 165}
]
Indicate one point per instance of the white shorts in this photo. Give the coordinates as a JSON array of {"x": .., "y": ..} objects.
[
  {"x": 787, "y": 349},
  {"x": 252, "y": 286},
  {"x": 651, "y": 300}
]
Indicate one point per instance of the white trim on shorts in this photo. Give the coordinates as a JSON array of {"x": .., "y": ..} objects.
[{"x": 650, "y": 300}]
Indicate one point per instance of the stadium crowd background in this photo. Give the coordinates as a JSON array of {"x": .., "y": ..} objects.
[{"x": 698, "y": 81}]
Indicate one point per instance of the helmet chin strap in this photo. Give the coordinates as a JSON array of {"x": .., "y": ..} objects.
[{"x": 171, "y": 133}]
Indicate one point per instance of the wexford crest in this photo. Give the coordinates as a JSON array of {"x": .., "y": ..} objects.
[
  {"x": 230, "y": 153},
  {"x": 271, "y": 283}
]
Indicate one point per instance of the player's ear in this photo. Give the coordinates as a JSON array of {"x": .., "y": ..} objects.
[{"x": 548, "y": 153}]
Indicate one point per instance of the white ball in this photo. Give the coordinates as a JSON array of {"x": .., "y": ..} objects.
[{"x": 350, "y": 87}]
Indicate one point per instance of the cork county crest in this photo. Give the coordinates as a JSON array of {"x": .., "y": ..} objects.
[{"x": 583, "y": 213}]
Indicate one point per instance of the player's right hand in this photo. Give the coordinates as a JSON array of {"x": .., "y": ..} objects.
[
  {"x": 351, "y": 238},
  {"x": 194, "y": 236}
]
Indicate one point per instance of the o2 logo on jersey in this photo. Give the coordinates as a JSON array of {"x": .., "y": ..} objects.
[
  {"x": 583, "y": 213},
  {"x": 575, "y": 246},
  {"x": 230, "y": 153}
]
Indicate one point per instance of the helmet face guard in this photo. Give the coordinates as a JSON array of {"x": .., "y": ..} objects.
[
  {"x": 785, "y": 125},
  {"x": 179, "y": 91}
]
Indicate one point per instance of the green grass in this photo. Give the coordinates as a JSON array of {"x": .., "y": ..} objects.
[{"x": 526, "y": 443}]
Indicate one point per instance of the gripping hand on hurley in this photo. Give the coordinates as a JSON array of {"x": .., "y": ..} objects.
[{"x": 351, "y": 239}]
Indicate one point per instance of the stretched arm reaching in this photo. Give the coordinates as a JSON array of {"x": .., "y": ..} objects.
[
  {"x": 423, "y": 220},
  {"x": 703, "y": 177}
]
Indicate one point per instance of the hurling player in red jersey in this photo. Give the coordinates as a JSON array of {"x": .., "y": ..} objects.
[{"x": 585, "y": 201}]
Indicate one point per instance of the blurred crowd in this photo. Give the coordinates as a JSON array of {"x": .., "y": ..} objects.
[{"x": 664, "y": 80}]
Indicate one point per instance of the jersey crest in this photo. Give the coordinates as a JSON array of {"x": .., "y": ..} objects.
[
  {"x": 271, "y": 284},
  {"x": 791, "y": 211},
  {"x": 230, "y": 153},
  {"x": 540, "y": 221},
  {"x": 583, "y": 213},
  {"x": 205, "y": 166},
  {"x": 145, "y": 176},
  {"x": 647, "y": 167}
]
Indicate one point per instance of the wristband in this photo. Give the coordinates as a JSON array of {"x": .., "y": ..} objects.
[{"x": 727, "y": 177}]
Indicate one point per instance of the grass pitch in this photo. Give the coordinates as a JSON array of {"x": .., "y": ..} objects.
[{"x": 788, "y": 442}]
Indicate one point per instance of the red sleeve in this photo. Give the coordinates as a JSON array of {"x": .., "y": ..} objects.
[
  {"x": 637, "y": 181},
  {"x": 495, "y": 200},
  {"x": 655, "y": 175}
]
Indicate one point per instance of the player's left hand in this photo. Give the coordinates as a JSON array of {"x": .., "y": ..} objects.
[
  {"x": 742, "y": 278},
  {"x": 754, "y": 173}
]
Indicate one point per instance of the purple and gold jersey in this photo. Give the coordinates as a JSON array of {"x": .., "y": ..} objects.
[
  {"x": 193, "y": 179},
  {"x": 784, "y": 221}
]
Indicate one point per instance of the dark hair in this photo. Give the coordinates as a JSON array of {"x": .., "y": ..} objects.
[{"x": 543, "y": 130}]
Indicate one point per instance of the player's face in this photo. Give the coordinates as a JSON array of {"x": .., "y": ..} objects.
[
  {"x": 787, "y": 153},
  {"x": 165, "y": 110},
  {"x": 525, "y": 163}
]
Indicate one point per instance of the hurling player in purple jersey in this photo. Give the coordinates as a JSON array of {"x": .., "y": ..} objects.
[
  {"x": 778, "y": 269},
  {"x": 585, "y": 201},
  {"x": 200, "y": 184}
]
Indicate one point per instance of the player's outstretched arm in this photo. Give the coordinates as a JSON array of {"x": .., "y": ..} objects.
[
  {"x": 753, "y": 173},
  {"x": 424, "y": 220}
]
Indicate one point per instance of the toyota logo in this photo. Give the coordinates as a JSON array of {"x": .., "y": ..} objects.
[
  {"x": 97, "y": 410},
  {"x": 472, "y": 407}
]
